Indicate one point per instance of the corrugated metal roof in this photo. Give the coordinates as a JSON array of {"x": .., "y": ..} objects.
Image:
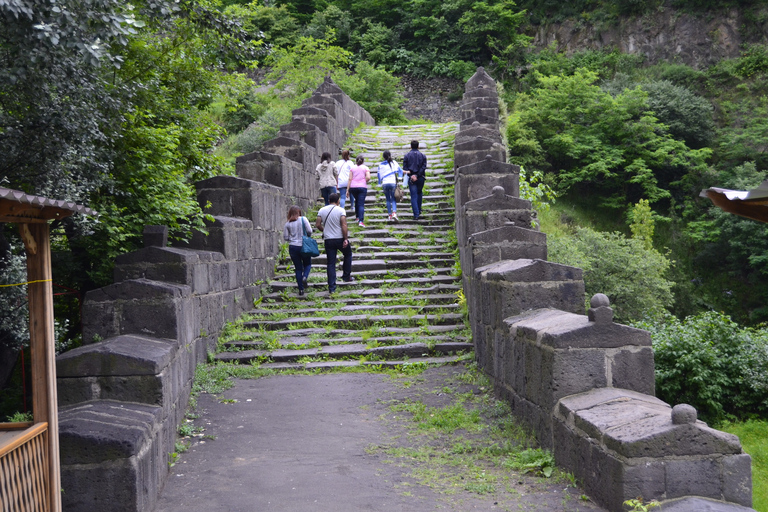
[{"x": 18, "y": 204}]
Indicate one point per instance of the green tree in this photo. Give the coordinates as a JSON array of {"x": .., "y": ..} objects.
[
  {"x": 687, "y": 115},
  {"x": 629, "y": 273},
  {"x": 496, "y": 26},
  {"x": 641, "y": 222},
  {"x": 582, "y": 136}
]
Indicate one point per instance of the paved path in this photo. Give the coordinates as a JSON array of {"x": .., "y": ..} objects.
[
  {"x": 309, "y": 443},
  {"x": 347, "y": 441}
]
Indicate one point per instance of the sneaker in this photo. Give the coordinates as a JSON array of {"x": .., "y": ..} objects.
[
  {"x": 357, "y": 220},
  {"x": 394, "y": 216},
  {"x": 361, "y": 224},
  {"x": 306, "y": 285},
  {"x": 301, "y": 293},
  {"x": 348, "y": 279},
  {"x": 389, "y": 218}
]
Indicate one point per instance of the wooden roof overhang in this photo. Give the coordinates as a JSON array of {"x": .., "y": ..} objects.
[
  {"x": 752, "y": 204},
  {"x": 21, "y": 208}
]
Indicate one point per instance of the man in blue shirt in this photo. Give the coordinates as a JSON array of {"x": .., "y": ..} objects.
[{"x": 415, "y": 166}]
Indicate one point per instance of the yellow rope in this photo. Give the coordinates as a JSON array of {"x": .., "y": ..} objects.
[{"x": 28, "y": 282}]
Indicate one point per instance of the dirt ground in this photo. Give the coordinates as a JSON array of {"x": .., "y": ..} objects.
[{"x": 349, "y": 442}]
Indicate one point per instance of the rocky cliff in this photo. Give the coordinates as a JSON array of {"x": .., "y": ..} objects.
[{"x": 665, "y": 34}]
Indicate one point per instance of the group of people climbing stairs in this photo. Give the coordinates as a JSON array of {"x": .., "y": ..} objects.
[{"x": 405, "y": 305}]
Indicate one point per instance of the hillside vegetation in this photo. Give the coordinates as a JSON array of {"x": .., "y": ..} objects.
[{"x": 122, "y": 107}]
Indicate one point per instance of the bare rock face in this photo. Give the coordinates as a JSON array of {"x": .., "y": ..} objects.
[
  {"x": 665, "y": 34},
  {"x": 434, "y": 99}
]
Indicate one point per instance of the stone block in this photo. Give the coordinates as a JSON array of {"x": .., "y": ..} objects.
[
  {"x": 263, "y": 166},
  {"x": 568, "y": 372},
  {"x": 476, "y": 130},
  {"x": 469, "y": 187},
  {"x": 633, "y": 369},
  {"x": 737, "y": 479},
  {"x": 138, "y": 306},
  {"x": 122, "y": 355},
  {"x": 480, "y": 80},
  {"x": 693, "y": 478},
  {"x": 480, "y": 93},
  {"x": 155, "y": 236},
  {"x": 695, "y": 504}
]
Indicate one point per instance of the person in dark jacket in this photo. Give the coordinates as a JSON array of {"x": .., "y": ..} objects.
[{"x": 415, "y": 167}]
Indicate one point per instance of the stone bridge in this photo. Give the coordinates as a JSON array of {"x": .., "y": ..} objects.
[{"x": 582, "y": 383}]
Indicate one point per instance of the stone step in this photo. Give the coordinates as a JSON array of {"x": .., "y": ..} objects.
[
  {"x": 290, "y": 341},
  {"x": 392, "y": 241},
  {"x": 449, "y": 297},
  {"x": 404, "y": 332},
  {"x": 356, "y": 321},
  {"x": 395, "y": 364},
  {"x": 356, "y": 308},
  {"x": 363, "y": 264},
  {"x": 367, "y": 286},
  {"x": 378, "y": 275},
  {"x": 357, "y": 350}
]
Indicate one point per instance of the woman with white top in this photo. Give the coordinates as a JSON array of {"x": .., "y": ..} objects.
[
  {"x": 343, "y": 166},
  {"x": 293, "y": 233},
  {"x": 389, "y": 172}
]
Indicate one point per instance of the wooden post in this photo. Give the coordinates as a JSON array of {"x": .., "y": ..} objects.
[{"x": 42, "y": 346}]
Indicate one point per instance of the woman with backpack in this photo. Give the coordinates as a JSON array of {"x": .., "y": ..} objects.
[
  {"x": 293, "y": 232},
  {"x": 389, "y": 172}
]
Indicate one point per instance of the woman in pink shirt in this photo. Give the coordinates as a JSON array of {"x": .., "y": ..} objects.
[{"x": 359, "y": 175}]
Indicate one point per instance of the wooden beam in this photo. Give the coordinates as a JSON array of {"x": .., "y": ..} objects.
[
  {"x": 29, "y": 241},
  {"x": 42, "y": 349}
]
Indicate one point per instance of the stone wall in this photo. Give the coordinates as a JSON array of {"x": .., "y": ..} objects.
[
  {"x": 583, "y": 384},
  {"x": 123, "y": 393}
]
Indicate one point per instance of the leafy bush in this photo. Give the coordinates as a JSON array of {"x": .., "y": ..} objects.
[
  {"x": 711, "y": 363},
  {"x": 629, "y": 273},
  {"x": 687, "y": 115},
  {"x": 376, "y": 90},
  {"x": 580, "y": 135}
]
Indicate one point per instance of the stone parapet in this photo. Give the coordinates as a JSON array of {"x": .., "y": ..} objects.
[
  {"x": 647, "y": 448},
  {"x": 583, "y": 384},
  {"x": 125, "y": 391}
]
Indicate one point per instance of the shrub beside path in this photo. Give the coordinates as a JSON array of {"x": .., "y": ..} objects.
[{"x": 400, "y": 420}]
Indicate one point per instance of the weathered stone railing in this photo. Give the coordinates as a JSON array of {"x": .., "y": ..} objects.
[
  {"x": 583, "y": 384},
  {"x": 123, "y": 394}
]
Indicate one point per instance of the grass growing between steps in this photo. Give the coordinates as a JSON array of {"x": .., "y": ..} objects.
[{"x": 459, "y": 441}]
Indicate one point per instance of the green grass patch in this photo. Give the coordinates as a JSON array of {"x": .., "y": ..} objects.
[{"x": 754, "y": 439}]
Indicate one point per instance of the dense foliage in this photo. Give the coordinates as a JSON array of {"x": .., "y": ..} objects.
[
  {"x": 632, "y": 275},
  {"x": 708, "y": 361},
  {"x": 124, "y": 106},
  {"x": 105, "y": 104}
]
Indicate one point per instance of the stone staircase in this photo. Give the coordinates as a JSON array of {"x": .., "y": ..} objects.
[{"x": 404, "y": 306}]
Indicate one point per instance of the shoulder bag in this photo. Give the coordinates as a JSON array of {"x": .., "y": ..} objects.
[{"x": 308, "y": 244}]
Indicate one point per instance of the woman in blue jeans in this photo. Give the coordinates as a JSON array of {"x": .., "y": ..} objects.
[
  {"x": 359, "y": 175},
  {"x": 389, "y": 172},
  {"x": 293, "y": 231}
]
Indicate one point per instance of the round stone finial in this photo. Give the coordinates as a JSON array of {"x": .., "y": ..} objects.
[
  {"x": 498, "y": 191},
  {"x": 489, "y": 157},
  {"x": 683, "y": 414},
  {"x": 599, "y": 300},
  {"x": 475, "y": 123},
  {"x": 481, "y": 68}
]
